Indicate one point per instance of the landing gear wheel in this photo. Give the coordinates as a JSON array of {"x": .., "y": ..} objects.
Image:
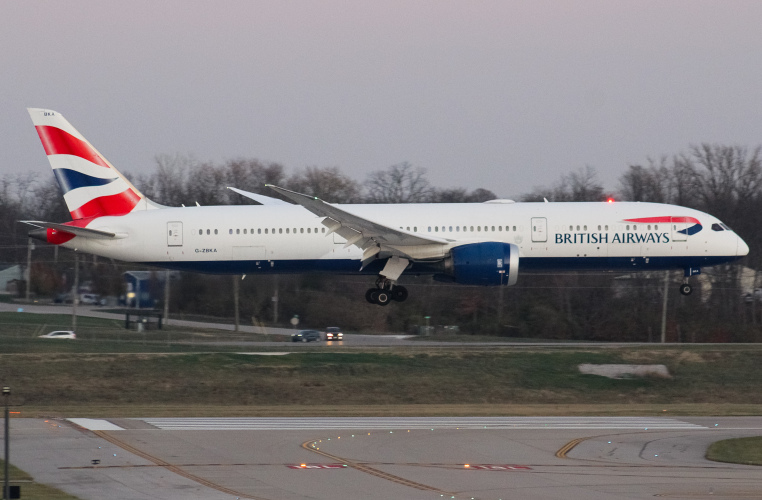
[
  {"x": 686, "y": 289},
  {"x": 382, "y": 297},
  {"x": 399, "y": 293},
  {"x": 369, "y": 295}
]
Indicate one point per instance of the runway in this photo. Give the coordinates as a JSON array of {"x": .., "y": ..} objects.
[{"x": 494, "y": 458}]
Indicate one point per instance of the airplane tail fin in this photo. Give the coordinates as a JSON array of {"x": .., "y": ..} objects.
[{"x": 92, "y": 187}]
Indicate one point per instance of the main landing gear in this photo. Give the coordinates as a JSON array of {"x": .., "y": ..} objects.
[{"x": 385, "y": 292}]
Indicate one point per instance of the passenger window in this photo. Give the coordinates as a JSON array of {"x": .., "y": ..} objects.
[
  {"x": 237, "y": 231},
  {"x": 472, "y": 229},
  {"x": 436, "y": 229},
  {"x": 429, "y": 228},
  {"x": 287, "y": 230},
  {"x": 514, "y": 228},
  {"x": 230, "y": 231},
  {"x": 280, "y": 230},
  {"x": 628, "y": 227},
  {"x": 215, "y": 231},
  {"x": 478, "y": 228},
  {"x": 322, "y": 229},
  {"x": 200, "y": 231},
  {"x": 607, "y": 227},
  {"x": 571, "y": 228},
  {"x": 493, "y": 228},
  {"x": 259, "y": 231},
  {"x": 415, "y": 229},
  {"x": 599, "y": 228},
  {"x": 301, "y": 230},
  {"x": 656, "y": 227}
]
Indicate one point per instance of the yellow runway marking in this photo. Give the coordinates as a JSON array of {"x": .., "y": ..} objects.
[
  {"x": 172, "y": 468},
  {"x": 307, "y": 445},
  {"x": 561, "y": 453}
]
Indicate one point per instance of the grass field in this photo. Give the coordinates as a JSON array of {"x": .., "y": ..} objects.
[
  {"x": 208, "y": 382},
  {"x": 738, "y": 451},
  {"x": 31, "y": 490},
  {"x": 19, "y": 332},
  {"x": 112, "y": 372}
]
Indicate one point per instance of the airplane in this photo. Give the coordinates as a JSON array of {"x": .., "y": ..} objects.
[{"x": 464, "y": 243}]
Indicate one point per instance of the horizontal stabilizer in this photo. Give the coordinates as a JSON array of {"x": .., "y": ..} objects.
[{"x": 77, "y": 231}]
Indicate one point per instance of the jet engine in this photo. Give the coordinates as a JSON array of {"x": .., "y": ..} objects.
[{"x": 489, "y": 264}]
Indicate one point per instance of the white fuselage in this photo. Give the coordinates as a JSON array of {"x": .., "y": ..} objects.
[{"x": 289, "y": 238}]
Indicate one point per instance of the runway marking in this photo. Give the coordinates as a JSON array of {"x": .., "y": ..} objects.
[
  {"x": 561, "y": 453},
  {"x": 317, "y": 466},
  {"x": 371, "y": 423},
  {"x": 172, "y": 468},
  {"x": 95, "y": 424},
  {"x": 496, "y": 467},
  {"x": 311, "y": 446}
]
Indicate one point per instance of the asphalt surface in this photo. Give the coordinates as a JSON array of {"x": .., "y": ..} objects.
[{"x": 565, "y": 458}]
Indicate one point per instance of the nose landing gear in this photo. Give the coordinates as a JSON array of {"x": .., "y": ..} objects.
[{"x": 685, "y": 287}]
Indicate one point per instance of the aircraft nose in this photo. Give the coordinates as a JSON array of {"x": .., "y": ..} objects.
[{"x": 742, "y": 248}]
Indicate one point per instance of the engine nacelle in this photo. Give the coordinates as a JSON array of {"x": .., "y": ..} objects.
[{"x": 489, "y": 263}]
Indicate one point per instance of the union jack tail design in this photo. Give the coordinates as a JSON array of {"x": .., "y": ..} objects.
[{"x": 91, "y": 186}]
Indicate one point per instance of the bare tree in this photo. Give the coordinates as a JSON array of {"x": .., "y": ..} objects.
[
  {"x": 401, "y": 183},
  {"x": 461, "y": 195},
  {"x": 327, "y": 183}
]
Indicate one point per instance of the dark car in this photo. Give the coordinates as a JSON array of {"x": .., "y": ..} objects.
[
  {"x": 305, "y": 336},
  {"x": 333, "y": 333}
]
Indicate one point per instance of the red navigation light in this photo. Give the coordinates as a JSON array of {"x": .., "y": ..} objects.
[{"x": 610, "y": 200}]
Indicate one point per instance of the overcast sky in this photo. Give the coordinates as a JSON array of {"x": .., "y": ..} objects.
[{"x": 503, "y": 95}]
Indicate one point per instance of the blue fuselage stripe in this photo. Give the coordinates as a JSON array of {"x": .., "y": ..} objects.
[{"x": 349, "y": 266}]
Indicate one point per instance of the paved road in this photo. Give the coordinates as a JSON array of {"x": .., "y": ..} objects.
[
  {"x": 381, "y": 458},
  {"x": 352, "y": 340}
]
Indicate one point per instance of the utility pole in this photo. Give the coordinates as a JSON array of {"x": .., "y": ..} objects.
[
  {"x": 166, "y": 296},
  {"x": 275, "y": 301},
  {"x": 664, "y": 308},
  {"x": 75, "y": 293},
  {"x": 6, "y": 484},
  {"x": 28, "y": 273},
  {"x": 235, "y": 301}
]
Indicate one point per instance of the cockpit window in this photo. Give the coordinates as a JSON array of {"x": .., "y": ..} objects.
[
  {"x": 725, "y": 226},
  {"x": 717, "y": 227}
]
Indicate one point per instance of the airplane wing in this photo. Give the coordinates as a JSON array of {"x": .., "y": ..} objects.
[
  {"x": 77, "y": 231},
  {"x": 259, "y": 198},
  {"x": 357, "y": 230}
]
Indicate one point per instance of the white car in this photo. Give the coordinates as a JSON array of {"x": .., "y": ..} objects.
[{"x": 60, "y": 334}]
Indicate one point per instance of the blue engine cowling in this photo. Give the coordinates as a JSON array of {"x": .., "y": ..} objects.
[{"x": 489, "y": 263}]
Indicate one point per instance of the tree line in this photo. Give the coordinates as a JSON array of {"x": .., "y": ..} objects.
[{"x": 725, "y": 181}]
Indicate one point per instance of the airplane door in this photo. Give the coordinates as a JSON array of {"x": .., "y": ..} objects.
[
  {"x": 539, "y": 229},
  {"x": 677, "y": 227},
  {"x": 174, "y": 234}
]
